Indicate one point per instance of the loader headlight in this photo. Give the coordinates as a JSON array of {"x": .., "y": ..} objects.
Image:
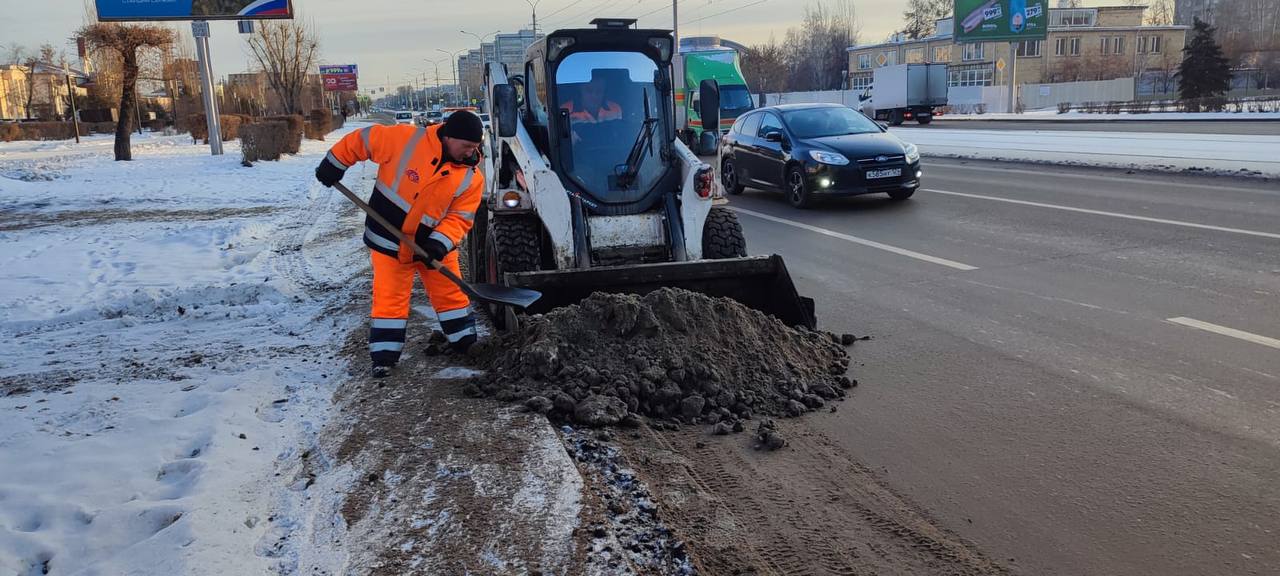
[
  {"x": 511, "y": 200},
  {"x": 828, "y": 157},
  {"x": 913, "y": 153}
]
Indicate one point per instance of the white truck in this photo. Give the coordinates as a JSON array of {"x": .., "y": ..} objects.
[{"x": 905, "y": 92}]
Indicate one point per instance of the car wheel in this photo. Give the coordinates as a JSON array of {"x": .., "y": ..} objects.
[
  {"x": 895, "y": 118},
  {"x": 729, "y": 177},
  {"x": 797, "y": 189},
  {"x": 924, "y": 119},
  {"x": 900, "y": 195}
]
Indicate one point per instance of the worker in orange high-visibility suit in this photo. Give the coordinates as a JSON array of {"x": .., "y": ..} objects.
[{"x": 429, "y": 186}]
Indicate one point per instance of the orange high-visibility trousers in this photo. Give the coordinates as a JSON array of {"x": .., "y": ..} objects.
[{"x": 392, "y": 291}]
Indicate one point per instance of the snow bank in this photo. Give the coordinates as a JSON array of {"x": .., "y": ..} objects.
[
  {"x": 1243, "y": 154},
  {"x": 167, "y": 350},
  {"x": 1054, "y": 115}
]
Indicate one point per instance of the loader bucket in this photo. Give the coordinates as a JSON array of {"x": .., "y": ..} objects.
[{"x": 759, "y": 282}]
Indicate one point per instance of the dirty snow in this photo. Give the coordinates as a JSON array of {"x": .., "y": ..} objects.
[
  {"x": 1253, "y": 155},
  {"x": 167, "y": 350}
]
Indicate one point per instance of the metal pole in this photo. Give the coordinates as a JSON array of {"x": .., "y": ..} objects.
[
  {"x": 75, "y": 115},
  {"x": 200, "y": 29},
  {"x": 675, "y": 25},
  {"x": 1013, "y": 76}
]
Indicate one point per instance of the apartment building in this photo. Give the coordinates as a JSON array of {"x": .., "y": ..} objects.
[{"x": 1100, "y": 43}]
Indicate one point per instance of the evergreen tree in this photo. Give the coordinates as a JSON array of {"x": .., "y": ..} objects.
[
  {"x": 1204, "y": 70},
  {"x": 920, "y": 17}
]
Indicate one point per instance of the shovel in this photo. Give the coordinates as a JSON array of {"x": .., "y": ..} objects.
[{"x": 494, "y": 293}]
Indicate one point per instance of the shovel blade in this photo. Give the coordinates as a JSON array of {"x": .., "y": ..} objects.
[{"x": 508, "y": 295}]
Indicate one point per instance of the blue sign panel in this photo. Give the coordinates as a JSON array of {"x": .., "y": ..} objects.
[{"x": 126, "y": 10}]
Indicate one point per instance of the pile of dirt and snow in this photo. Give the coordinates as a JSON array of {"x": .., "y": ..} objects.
[{"x": 669, "y": 355}]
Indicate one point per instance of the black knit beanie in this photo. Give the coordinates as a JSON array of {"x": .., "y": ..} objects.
[{"x": 463, "y": 125}]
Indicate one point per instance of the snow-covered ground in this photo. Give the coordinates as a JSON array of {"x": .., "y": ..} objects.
[
  {"x": 167, "y": 350},
  {"x": 1255, "y": 155},
  {"x": 1053, "y": 115}
]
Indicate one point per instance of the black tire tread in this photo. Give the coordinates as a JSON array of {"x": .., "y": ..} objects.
[
  {"x": 516, "y": 240},
  {"x": 722, "y": 235}
]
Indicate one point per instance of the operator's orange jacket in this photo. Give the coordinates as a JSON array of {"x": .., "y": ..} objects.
[
  {"x": 610, "y": 110},
  {"x": 416, "y": 186}
]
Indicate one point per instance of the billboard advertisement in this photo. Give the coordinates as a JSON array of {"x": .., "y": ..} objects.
[
  {"x": 133, "y": 10},
  {"x": 1001, "y": 20},
  {"x": 339, "y": 77}
]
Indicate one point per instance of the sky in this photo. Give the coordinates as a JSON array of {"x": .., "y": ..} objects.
[{"x": 393, "y": 40}]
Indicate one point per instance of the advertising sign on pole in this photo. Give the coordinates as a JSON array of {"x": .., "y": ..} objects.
[
  {"x": 1001, "y": 20},
  {"x": 339, "y": 78},
  {"x": 134, "y": 10}
]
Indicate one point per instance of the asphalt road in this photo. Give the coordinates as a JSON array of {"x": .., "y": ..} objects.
[
  {"x": 1077, "y": 370},
  {"x": 1180, "y": 126}
]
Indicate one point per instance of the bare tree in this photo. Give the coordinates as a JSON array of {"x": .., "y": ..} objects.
[
  {"x": 764, "y": 65},
  {"x": 24, "y": 63},
  {"x": 128, "y": 42},
  {"x": 1160, "y": 13},
  {"x": 816, "y": 53},
  {"x": 287, "y": 51},
  {"x": 921, "y": 17}
]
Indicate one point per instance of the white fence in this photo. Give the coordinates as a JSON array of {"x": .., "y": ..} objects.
[
  {"x": 1040, "y": 96},
  {"x": 987, "y": 99}
]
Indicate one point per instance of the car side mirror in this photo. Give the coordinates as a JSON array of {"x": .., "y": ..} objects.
[
  {"x": 517, "y": 82},
  {"x": 709, "y": 104},
  {"x": 504, "y": 109},
  {"x": 773, "y": 137}
]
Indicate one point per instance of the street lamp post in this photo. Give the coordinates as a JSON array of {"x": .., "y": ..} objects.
[
  {"x": 533, "y": 5},
  {"x": 497, "y": 50},
  {"x": 453, "y": 56}
]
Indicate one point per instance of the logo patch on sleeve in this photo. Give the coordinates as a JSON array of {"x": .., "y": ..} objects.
[{"x": 412, "y": 175}]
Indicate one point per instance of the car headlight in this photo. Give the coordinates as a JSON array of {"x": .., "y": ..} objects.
[
  {"x": 913, "y": 153},
  {"x": 828, "y": 157}
]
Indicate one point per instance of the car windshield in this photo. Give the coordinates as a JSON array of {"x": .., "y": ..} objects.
[
  {"x": 403, "y": 116},
  {"x": 833, "y": 121},
  {"x": 603, "y": 94},
  {"x": 735, "y": 99},
  {"x": 433, "y": 114}
]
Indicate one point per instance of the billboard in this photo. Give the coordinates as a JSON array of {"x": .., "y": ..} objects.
[
  {"x": 1001, "y": 20},
  {"x": 339, "y": 77},
  {"x": 126, "y": 10}
]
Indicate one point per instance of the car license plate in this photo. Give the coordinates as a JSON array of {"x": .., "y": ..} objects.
[{"x": 886, "y": 173}]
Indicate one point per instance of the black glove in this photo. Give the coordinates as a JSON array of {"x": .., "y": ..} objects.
[
  {"x": 431, "y": 246},
  {"x": 328, "y": 174}
]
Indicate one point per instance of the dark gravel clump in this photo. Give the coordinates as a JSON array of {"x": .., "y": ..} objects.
[{"x": 672, "y": 355}]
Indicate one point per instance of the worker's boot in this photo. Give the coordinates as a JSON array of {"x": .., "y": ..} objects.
[
  {"x": 382, "y": 370},
  {"x": 463, "y": 345}
]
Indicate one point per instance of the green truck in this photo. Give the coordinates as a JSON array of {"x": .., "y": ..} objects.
[{"x": 735, "y": 98}]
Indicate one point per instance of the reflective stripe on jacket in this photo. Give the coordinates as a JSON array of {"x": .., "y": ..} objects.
[{"x": 415, "y": 186}]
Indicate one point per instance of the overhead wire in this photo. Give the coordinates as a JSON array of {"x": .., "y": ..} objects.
[{"x": 722, "y": 13}]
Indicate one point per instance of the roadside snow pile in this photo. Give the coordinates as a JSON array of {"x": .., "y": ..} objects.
[
  {"x": 1234, "y": 154},
  {"x": 669, "y": 354}
]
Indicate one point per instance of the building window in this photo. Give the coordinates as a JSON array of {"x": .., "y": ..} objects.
[
  {"x": 1073, "y": 46},
  {"x": 1073, "y": 18},
  {"x": 1148, "y": 44},
  {"x": 914, "y": 55},
  {"x": 864, "y": 61},
  {"x": 971, "y": 75},
  {"x": 887, "y": 58},
  {"x": 973, "y": 52},
  {"x": 942, "y": 53},
  {"x": 1029, "y": 49},
  {"x": 860, "y": 82},
  {"x": 1113, "y": 44}
]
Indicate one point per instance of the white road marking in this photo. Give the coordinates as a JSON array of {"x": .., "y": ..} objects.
[
  {"x": 860, "y": 241},
  {"x": 1225, "y": 331},
  {"x": 1257, "y": 233}
]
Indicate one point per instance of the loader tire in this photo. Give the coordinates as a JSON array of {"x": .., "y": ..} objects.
[
  {"x": 511, "y": 245},
  {"x": 722, "y": 235}
]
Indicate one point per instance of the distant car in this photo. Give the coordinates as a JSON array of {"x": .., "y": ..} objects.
[
  {"x": 404, "y": 117},
  {"x": 485, "y": 119},
  {"x": 809, "y": 151}
]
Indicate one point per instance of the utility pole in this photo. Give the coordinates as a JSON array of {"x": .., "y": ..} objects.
[
  {"x": 675, "y": 25},
  {"x": 71, "y": 95},
  {"x": 200, "y": 29}
]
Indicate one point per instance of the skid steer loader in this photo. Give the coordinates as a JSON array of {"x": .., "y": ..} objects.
[{"x": 589, "y": 189}]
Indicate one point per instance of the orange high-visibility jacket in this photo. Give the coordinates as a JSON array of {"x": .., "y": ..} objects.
[
  {"x": 610, "y": 110},
  {"x": 416, "y": 186}
]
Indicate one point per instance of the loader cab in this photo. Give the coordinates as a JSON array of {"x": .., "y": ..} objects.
[{"x": 598, "y": 103}]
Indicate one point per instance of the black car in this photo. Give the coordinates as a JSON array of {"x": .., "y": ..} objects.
[{"x": 817, "y": 150}]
